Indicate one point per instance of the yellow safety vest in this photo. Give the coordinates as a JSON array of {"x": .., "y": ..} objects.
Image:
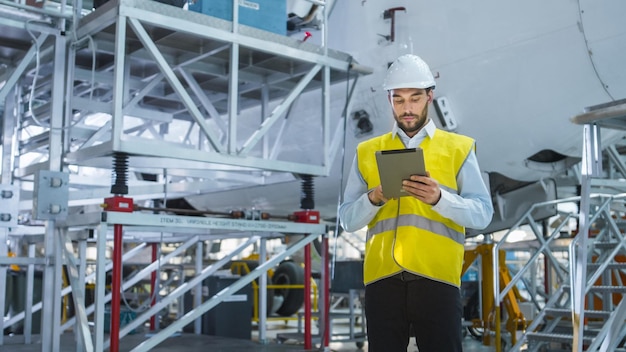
[{"x": 406, "y": 234}]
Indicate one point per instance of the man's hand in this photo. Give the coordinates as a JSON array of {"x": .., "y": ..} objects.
[
  {"x": 376, "y": 196},
  {"x": 423, "y": 188}
]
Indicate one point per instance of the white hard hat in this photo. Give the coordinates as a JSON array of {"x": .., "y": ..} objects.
[{"x": 409, "y": 71}]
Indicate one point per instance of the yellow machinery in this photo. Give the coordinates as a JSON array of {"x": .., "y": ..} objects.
[
  {"x": 488, "y": 317},
  {"x": 242, "y": 267}
]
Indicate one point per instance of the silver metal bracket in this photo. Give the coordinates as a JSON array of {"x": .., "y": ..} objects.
[
  {"x": 9, "y": 195},
  {"x": 51, "y": 193}
]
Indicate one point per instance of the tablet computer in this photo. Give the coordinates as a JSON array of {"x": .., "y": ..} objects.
[{"x": 397, "y": 165}]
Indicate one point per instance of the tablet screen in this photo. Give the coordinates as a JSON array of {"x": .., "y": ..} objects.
[{"x": 397, "y": 165}]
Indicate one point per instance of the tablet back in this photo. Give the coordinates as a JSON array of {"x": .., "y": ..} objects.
[{"x": 397, "y": 165}]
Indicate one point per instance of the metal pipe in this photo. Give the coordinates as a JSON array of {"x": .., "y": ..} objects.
[
  {"x": 496, "y": 295},
  {"x": 153, "y": 288},
  {"x": 82, "y": 247},
  {"x": 116, "y": 285},
  {"x": 326, "y": 291},
  {"x": 4, "y": 235},
  {"x": 197, "y": 291},
  {"x": 307, "y": 297},
  {"x": 30, "y": 286},
  {"x": 360, "y": 69},
  {"x": 262, "y": 312}
]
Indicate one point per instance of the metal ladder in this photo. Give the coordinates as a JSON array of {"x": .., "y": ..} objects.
[
  {"x": 604, "y": 290},
  {"x": 588, "y": 312}
]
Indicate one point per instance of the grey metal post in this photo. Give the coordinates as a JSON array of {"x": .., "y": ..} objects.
[
  {"x": 101, "y": 269},
  {"x": 5, "y": 178},
  {"x": 4, "y": 231},
  {"x": 262, "y": 294},
  {"x": 8, "y": 138},
  {"x": 591, "y": 166},
  {"x": 197, "y": 298},
  {"x": 51, "y": 310},
  {"x": 233, "y": 85},
  {"x": 30, "y": 289},
  {"x": 82, "y": 266},
  {"x": 117, "y": 119}
]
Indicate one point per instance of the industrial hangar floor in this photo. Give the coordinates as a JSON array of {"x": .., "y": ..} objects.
[{"x": 204, "y": 343}]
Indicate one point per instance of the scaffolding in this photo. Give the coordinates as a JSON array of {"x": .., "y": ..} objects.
[{"x": 198, "y": 101}]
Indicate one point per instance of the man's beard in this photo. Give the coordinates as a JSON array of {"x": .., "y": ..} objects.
[{"x": 419, "y": 122}]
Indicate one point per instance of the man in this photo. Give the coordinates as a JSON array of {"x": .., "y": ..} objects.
[{"x": 414, "y": 252}]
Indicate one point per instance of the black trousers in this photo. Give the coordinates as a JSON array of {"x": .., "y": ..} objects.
[{"x": 395, "y": 305}]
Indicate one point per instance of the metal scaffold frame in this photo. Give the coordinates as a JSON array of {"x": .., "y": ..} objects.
[
  {"x": 187, "y": 76},
  {"x": 611, "y": 115},
  {"x": 254, "y": 231},
  {"x": 144, "y": 16},
  {"x": 583, "y": 301},
  {"x": 116, "y": 81}
]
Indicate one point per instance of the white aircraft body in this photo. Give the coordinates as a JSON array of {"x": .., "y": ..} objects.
[
  {"x": 511, "y": 76},
  {"x": 160, "y": 86}
]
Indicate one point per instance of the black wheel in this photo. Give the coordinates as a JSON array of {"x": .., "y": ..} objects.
[
  {"x": 477, "y": 333},
  {"x": 471, "y": 310},
  {"x": 360, "y": 345},
  {"x": 289, "y": 273}
]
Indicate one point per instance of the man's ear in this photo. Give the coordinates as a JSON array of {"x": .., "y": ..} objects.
[{"x": 430, "y": 96}]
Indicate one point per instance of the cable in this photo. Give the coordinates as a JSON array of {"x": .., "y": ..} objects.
[
  {"x": 157, "y": 282},
  {"x": 92, "y": 45},
  {"x": 34, "y": 83},
  {"x": 589, "y": 51},
  {"x": 70, "y": 83},
  {"x": 36, "y": 75},
  {"x": 339, "y": 200},
  {"x": 342, "y": 169},
  {"x": 157, "y": 286}
]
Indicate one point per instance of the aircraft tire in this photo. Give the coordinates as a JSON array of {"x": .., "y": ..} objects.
[{"x": 289, "y": 273}]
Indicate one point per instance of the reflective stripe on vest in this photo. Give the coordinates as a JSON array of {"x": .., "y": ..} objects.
[{"x": 416, "y": 221}]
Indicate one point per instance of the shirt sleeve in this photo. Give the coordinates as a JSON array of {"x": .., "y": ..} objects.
[
  {"x": 356, "y": 211},
  {"x": 472, "y": 207}
]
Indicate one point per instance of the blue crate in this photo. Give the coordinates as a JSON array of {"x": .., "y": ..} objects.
[
  {"x": 268, "y": 15},
  {"x": 126, "y": 317}
]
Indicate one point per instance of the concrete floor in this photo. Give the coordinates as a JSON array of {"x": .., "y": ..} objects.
[{"x": 203, "y": 343}]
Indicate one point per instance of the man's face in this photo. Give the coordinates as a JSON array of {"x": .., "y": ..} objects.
[{"x": 410, "y": 108}]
